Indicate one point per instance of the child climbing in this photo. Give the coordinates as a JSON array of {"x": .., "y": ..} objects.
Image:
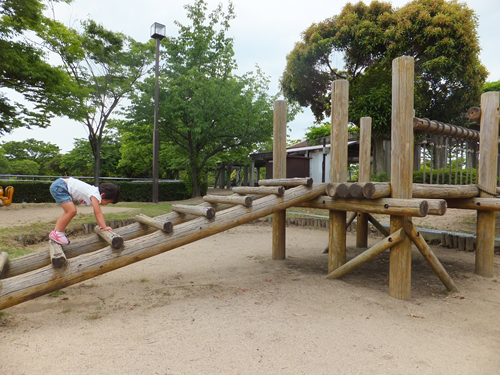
[{"x": 66, "y": 190}]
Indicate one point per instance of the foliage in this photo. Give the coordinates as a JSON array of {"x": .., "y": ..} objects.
[
  {"x": 207, "y": 113},
  {"x": 418, "y": 176},
  {"x": 491, "y": 86},
  {"x": 38, "y": 152},
  {"x": 4, "y": 162},
  {"x": 440, "y": 35},
  {"x": 24, "y": 69},
  {"x": 141, "y": 191},
  {"x": 24, "y": 166},
  {"x": 106, "y": 66}
]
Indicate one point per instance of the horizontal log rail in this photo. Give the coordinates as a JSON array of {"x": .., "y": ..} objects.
[
  {"x": 45, "y": 280},
  {"x": 208, "y": 212},
  {"x": 436, "y": 127},
  {"x": 375, "y": 190},
  {"x": 229, "y": 199},
  {"x": 307, "y": 181},
  {"x": 386, "y": 206},
  {"x": 166, "y": 226},
  {"x": 482, "y": 204},
  {"x": 262, "y": 190}
]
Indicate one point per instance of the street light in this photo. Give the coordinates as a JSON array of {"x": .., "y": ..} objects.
[{"x": 158, "y": 32}]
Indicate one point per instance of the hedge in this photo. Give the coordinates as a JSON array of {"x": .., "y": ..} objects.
[{"x": 39, "y": 191}]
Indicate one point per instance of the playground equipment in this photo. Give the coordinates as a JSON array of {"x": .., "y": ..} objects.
[
  {"x": 41, "y": 273},
  {"x": 7, "y": 199}
]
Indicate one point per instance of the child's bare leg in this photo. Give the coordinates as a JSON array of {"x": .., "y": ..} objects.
[{"x": 69, "y": 213}]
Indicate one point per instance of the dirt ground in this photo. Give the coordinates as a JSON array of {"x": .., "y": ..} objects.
[{"x": 222, "y": 306}]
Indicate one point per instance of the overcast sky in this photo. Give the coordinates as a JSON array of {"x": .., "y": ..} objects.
[{"x": 264, "y": 31}]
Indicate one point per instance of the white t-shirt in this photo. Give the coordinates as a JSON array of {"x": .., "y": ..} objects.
[{"x": 81, "y": 191}]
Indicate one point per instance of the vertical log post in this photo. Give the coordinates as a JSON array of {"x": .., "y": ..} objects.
[
  {"x": 338, "y": 171},
  {"x": 364, "y": 176},
  {"x": 485, "y": 245},
  {"x": 279, "y": 171},
  {"x": 401, "y": 170}
]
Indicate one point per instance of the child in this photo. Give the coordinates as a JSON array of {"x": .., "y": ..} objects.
[{"x": 65, "y": 190}]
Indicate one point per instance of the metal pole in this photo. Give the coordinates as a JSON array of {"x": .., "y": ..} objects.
[{"x": 156, "y": 137}]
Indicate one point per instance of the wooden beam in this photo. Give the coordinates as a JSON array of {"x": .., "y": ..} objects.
[
  {"x": 208, "y": 212},
  {"x": 229, "y": 199},
  {"x": 337, "y": 189},
  {"x": 165, "y": 226},
  {"x": 375, "y": 190},
  {"x": 480, "y": 204},
  {"x": 371, "y": 253},
  {"x": 57, "y": 257},
  {"x": 262, "y": 190},
  {"x": 24, "y": 287},
  {"x": 429, "y": 256},
  {"x": 307, "y": 181},
  {"x": 437, "y": 127},
  {"x": 401, "y": 170},
  {"x": 365, "y": 138},
  {"x": 379, "y": 226},
  {"x": 486, "y": 179},
  {"x": 386, "y": 206},
  {"x": 113, "y": 239}
]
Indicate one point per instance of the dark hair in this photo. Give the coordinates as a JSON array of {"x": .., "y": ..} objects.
[{"x": 111, "y": 191}]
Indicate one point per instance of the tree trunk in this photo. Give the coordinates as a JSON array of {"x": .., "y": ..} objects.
[
  {"x": 95, "y": 143},
  {"x": 196, "y": 186}
]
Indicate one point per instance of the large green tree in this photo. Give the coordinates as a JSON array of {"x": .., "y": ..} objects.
[
  {"x": 45, "y": 90},
  {"x": 440, "y": 35},
  {"x": 106, "y": 66},
  {"x": 206, "y": 110},
  {"x": 38, "y": 152}
]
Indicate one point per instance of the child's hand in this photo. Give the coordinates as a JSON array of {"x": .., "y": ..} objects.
[{"x": 105, "y": 228}]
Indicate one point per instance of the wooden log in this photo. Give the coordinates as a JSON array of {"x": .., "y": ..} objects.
[
  {"x": 279, "y": 171},
  {"x": 57, "y": 257},
  {"x": 379, "y": 226},
  {"x": 483, "y": 204},
  {"x": 348, "y": 222},
  {"x": 386, "y": 206},
  {"x": 401, "y": 170},
  {"x": 21, "y": 288},
  {"x": 375, "y": 190},
  {"x": 436, "y": 206},
  {"x": 338, "y": 169},
  {"x": 4, "y": 261},
  {"x": 429, "y": 256},
  {"x": 343, "y": 190},
  {"x": 208, "y": 212},
  {"x": 436, "y": 127},
  {"x": 474, "y": 114},
  {"x": 444, "y": 191},
  {"x": 229, "y": 199},
  {"x": 263, "y": 190},
  {"x": 337, "y": 189},
  {"x": 371, "y": 253},
  {"x": 165, "y": 226},
  {"x": 113, "y": 239},
  {"x": 307, "y": 181},
  {"x": 356, "y": 190}
]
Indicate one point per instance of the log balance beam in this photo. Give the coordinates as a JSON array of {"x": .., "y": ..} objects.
[{"x": 24, "y": 287}]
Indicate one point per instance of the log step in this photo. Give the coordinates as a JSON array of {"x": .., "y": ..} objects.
[
  {"x": 4, "y": 260},
  {"x": 113, "y": 239},
  {"x": 261, "y": 190},
  {"x": 165, "y": 226},
  {"x": 308, "y": 181},
  {"x": 57, "y": 256},
  {"x": 229, "y": 199},
  {"x": 208, "y": 212}
]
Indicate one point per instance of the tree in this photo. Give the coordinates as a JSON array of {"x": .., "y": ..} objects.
[
  {"x": 36, "y": 151},
  {"x": 24, "y": 69},
  {"x": 440, "y": 35},
  {"x": 206, "y": 111},
  {"x": 491, "y": 86},
  {"x": 106, "y": 66}
]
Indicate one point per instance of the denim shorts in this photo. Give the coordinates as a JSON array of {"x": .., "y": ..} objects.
[{"x": 59, "y": 190}]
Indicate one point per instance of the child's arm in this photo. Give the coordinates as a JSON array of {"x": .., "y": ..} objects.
[{"x": 99, "y": 216}]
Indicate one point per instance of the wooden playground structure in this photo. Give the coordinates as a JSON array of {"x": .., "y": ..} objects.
[{"x": 36, "y": 274}]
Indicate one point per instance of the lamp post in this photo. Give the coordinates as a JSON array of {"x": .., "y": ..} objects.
[{"x": 158, "y": 32}]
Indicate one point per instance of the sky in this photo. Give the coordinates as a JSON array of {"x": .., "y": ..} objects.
[{"x": 264, "y": 32}]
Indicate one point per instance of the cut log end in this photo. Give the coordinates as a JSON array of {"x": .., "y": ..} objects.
[
  {"x": 168, "y": 227},
  {"x": 57, "y": 256},
  {"x": 210, "y": 214}
]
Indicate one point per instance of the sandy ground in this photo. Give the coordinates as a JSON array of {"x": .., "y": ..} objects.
[{"x": 222, "y": 306}]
